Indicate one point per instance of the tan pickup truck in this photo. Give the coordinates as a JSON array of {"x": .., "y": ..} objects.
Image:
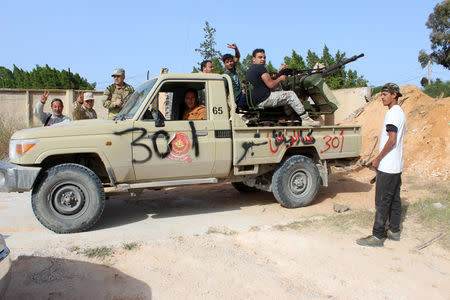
[{"x": 148, "y": 146}]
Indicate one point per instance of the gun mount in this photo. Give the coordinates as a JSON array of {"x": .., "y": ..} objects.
[{"x": 310, "y": 83}]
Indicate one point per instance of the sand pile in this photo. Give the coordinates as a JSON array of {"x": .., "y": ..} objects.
[{"x": 426, "y": 148}]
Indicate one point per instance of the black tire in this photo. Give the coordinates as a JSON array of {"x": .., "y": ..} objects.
[
  {"x": 59, "y": 185},
  {"x": 296, "y": 182},
  {"x": 243, "y": 188}
]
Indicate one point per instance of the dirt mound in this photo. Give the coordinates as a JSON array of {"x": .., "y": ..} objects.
[{"x": 426, "y": 149}]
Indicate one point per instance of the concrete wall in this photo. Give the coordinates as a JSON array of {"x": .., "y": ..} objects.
[
  {"x": 18, "y": 104},
  {"x": 349, "y": 101}
]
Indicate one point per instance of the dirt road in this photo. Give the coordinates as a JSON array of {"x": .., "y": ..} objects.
[{"x": 211, "y": 242}]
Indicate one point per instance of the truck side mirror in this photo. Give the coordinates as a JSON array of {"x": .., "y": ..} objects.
[{"x": 159, "y": 122}]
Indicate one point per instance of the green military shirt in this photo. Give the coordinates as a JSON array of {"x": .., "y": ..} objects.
[
  {"x": 80, "y": 112},
  {"x": 237, "y": 88},
  {"x": 110, "y": 96}
]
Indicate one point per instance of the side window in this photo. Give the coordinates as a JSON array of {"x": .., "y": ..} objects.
[
  {"x": 155, "y": 108},
  {"x": 180, "y": 101}
]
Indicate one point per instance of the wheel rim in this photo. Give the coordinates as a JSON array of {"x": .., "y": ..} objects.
[
  {"x": 67, "y": 199},
  {"x": 298, "y": 182}
]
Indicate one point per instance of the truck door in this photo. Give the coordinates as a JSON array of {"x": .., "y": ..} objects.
[{"x": 176, "y": 149}]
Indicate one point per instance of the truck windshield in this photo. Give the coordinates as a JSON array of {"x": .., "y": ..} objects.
[{"x": 130, "y": 108}]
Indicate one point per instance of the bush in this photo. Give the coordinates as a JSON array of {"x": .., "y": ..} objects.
[
  {"x": 376, "y": 90},
  {"x": 7, "y": 128},
  {"x": 438, "y": 88}
]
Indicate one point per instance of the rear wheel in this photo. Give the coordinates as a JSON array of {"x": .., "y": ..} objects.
[
  {"x": 296, "y": 182},
  {"x": 68, "y": 198}
]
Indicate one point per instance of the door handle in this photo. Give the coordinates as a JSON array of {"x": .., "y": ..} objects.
[{"x": 202, "y": 133}]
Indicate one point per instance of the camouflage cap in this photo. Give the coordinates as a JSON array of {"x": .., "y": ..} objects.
[
  {"x": 118, "y": 72},
  {"x": 88, "y": 96},
  {"x": 391, "y": 88}
]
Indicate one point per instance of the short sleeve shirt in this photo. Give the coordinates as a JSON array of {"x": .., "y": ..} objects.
[
  {"x": 392, "y": 162},
  {"x": 260, "y": 91}
]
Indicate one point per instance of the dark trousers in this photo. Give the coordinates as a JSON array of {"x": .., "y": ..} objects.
[{"x": 387, "y": 203}]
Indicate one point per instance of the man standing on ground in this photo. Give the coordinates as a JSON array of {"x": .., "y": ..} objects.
[
  {"x": 84, "y": 107},
  {"x": 262, "y": 83},
  {"x": 206, "y": 66},
  {"x": 389, "y": 165},
  {"x": 117, "y": 94},
  {"x": 230, "y": 63},
  {"x": 57, "y": 107}
]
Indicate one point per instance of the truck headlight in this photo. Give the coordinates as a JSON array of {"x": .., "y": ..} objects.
[{"x": 18, "y": 148}]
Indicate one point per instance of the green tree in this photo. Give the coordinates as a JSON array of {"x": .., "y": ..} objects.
[
  {"x": 6, "y": 78},
  {"x": 295, "y": 61},
  {"x": 208, "y": 50},
  {"x": 243, "y": 66},
  {"x": 42, "y": 77},
  {"x": 439, "y": 23}
]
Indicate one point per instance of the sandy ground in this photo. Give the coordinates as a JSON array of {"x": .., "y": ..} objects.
[{"x": 210, "y": 242}]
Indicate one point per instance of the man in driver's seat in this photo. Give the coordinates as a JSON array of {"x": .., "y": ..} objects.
[
  {"x": 195, "y": 110},
  {"x": 262, "y": 84}
]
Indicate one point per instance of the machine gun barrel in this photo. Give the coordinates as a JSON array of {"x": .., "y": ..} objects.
[{"x": 334, "y": 68}]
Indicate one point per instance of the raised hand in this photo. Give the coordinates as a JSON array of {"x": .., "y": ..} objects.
[
  {"x": 44, "y": 97},
  {"x": 80, "y": 98},
  {"x": 232, "y": 46},
  {"x": 282, "y": 67}
]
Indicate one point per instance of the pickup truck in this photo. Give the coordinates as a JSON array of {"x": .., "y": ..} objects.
[{"x": 67, "y": 166}]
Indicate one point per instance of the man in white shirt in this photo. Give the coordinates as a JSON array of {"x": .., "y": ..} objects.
[
  {"x": 56, "y": 116},
  {"x": 389, "y": 165}
]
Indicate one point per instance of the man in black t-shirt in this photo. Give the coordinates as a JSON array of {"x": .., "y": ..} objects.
[{"x": 262, "y": 84}]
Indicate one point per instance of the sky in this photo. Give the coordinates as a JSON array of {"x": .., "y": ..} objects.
[{"x": 93, "y": 38}]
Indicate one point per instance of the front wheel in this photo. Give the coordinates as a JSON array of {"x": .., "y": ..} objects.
[
  {"x": 296, "y": 182},
  {"x": 68, "y": 198}
]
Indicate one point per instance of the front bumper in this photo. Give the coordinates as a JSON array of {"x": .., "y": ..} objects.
[
  {"x": 15, "y": 178},
  {"x": 5, "y": 267}
]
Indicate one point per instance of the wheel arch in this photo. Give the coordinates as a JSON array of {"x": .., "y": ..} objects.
[{"x": 90, "y": 160}]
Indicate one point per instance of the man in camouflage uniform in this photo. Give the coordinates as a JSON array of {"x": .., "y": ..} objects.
[
  {"x": 83, "y": 107},
  {"x": 117, "y": 94}
]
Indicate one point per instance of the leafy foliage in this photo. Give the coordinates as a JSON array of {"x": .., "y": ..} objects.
[
  {"x": 439, "y": 23},
  {"x": 424, "y": 81},
  {"x": 42, "y": 77},
  {"x": 208, "y": 51},
  {"x": 376, "y": 89},
  {"x": 437, "y": 88}
]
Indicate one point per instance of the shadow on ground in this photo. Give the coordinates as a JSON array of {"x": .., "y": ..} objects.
[
  {"x": 192, "y": 200},
  {"x": 340, "y": 184},
  {"x": 36, "y": 277},
  {"x": 182, "y": 201}
]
